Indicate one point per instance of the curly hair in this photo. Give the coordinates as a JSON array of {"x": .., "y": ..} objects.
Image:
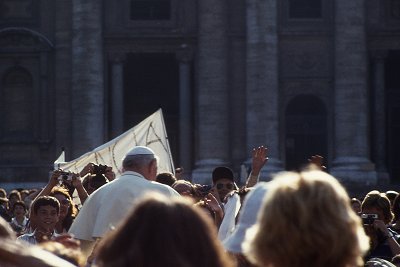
[{"x": 306, "y": 220}]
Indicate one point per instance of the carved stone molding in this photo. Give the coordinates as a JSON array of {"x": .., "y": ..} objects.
[{"x": 22, "y": 38}]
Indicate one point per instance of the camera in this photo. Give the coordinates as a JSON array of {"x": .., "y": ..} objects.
[
  {"x": 368, "y": 219},
  {"x": 66, "y": 176},
  {"x": 99, "y": 169},
  {"x": 203, "y": 190}
]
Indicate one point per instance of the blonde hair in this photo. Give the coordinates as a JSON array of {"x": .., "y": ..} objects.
[{"x": 306, "y": 220}]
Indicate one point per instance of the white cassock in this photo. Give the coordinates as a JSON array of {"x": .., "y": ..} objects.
[{"x": 107, "y": 206}]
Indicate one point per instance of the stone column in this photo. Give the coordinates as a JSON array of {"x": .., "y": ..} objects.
[
  {"x": 44, "y": 99},
  {"x": 262, "y": 82},
  {"x": 117, "y": 93},
  {"x": 212, "y": 104},
  {"x": 351, "y": 160},
  {"x": 87, "y": 76},
  {"x": 185, "y": 56},
  {"x": 378, "y": 58},
  {"x": 63, "y": 76}
]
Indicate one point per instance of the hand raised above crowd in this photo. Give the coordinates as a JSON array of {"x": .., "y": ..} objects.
[{"x": 258, "y": 159}]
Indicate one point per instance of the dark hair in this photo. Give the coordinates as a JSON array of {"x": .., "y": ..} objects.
[
  {"x": 185, "y": 238},
  {"x": 166, "y": 178},
  {"x": 222, "y": 173},
  {"x": 14, "y": 193},
  {"x": 18, "y": 203},
  {"x": 45, "y": 201}
]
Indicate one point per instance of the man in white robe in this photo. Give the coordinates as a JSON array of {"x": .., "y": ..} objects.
[{"x": 111, "y": 203}]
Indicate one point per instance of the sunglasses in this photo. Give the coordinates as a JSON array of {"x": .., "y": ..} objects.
[{"x": 227, "y": 186}]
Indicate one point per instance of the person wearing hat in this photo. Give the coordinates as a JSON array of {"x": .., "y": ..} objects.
[
  {"x": 111, "y": 203},
  {"x": 223, "y": 181}
]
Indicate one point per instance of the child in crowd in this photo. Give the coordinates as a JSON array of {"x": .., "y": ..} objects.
[
  {"x": 19, "y": 220},
  {"x": 46, "y": 211}
]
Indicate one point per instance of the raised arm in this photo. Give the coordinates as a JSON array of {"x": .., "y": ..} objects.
[{"x": 258, "y": 160}]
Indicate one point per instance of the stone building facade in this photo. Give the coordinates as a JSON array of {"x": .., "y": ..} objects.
[{"x": 299, "y": 76}]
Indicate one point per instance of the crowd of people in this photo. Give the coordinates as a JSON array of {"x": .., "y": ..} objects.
[{"x": 148, "y": 219}]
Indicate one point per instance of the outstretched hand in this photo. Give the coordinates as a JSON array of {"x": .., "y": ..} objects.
[{"x": 258, "y": 160}]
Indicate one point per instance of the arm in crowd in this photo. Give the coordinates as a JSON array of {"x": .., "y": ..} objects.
[
  {"x": 259, "y": 158},
  {"x": 390, "y": 237},
  {"x": 75, "y": 182}
]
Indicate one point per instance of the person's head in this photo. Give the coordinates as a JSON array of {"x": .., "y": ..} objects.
[
  {"x": 24, "y": 193},
  {"x": 184, "y": 188},
  {"x": 377, "y": 203},
  {"x": 166, "y": 178},
  {"x": 223, "y": 180},
  {"x": 19, "y": 209},
  {"x": 92, "y": 182},
  {"x": 306, "y": 220},
  {"x": 67, "y": 207},
  {"x": 46, "y": 210},
  {"x": 185, "y": 237},
  {"x": 356, "y": 205},
  {"x": 142, "y": 160},
  {"x": 13, "y": 197}
]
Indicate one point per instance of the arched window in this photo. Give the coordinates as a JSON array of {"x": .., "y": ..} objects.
[
  {"x": 305, "y": 9},
  {"x": 16, "y": 104},
  {"x": 306, "y": 130}
]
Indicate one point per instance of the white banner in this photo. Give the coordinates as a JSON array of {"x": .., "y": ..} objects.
[{"x": 151, "y": 133}]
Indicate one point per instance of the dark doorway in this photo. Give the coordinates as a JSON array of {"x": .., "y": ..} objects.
[
  {"x": 392, "y": 81},
  {"x": 306, "y": 130},
  {"x": 151, "y": 81}
]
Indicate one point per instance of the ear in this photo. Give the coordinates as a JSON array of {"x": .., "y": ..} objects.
[{"x": 152, "y": 164}]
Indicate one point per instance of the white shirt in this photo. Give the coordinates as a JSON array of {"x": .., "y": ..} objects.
[
  {"x": 15, "y": 222},
  {"x": 111, "y": 203},
  {"x": 31, "y": 239}
]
